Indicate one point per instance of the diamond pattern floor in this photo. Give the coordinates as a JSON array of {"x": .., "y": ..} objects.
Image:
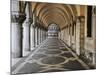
[{"x": 51, "y": 56}]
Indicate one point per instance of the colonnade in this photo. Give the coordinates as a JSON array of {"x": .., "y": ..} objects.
[
  {"x": 74, "y": 36},
  {"x": 38, "y": 35},
  {"x": 28, "y": 32},
  {"x": 25, "y": 34}
]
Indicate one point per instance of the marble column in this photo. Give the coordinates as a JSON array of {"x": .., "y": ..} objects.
[
  {"x": 32, "y": 37},
  {"x": 80, "y": 35},
  {"x": 94, "y": 34},
  {"x": 75, "y": 35},
  {"x": 17, "y": 19},
  {"x": 46, "y": 34},
  {"x": 36, "y": 36},
  {"x": 16, "y": 35},
  {"x": 26, "y": 29},
  {"x": 26, "y": 35},
  {"x": 39, "y": 36},
  {"x": 67, "y": 34},
  {"x": 69, "y": 38},
  {"x": 78, "y": 23},
  {"x": 71, "y": 35},
  {"x": 43, "y": 35}
]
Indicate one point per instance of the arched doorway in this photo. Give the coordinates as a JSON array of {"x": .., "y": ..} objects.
[{"x": 53, "y": 30}]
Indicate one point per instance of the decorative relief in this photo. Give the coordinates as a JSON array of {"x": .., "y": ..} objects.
[{"x": 19, "y": 18}]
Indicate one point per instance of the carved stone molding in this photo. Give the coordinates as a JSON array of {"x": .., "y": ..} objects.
[
  {"x": 28, "y": 22},
  {"x": 80, "y": 19},
  {"x": 18, "y": 18}
]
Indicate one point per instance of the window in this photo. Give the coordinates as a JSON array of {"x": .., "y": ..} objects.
[{"x": 89, "y": 21}]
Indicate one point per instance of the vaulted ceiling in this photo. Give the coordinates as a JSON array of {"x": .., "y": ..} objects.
[
  {"x": 48, "y": 13},
  {"x": 61, "y": 14}
]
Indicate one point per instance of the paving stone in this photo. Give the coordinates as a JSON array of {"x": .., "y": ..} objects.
[
  {"x": 30, "y": 68},
  {"x": 73, "y": 65},
  {"x": 53, "y": 52},
  {"x": 52, "y": 60},
  {"x": 68, "y": 55},
  {"x": 53, "y": 70},
  {"x": 38, "y": 56},
  {"x": 46, "y": 55}
]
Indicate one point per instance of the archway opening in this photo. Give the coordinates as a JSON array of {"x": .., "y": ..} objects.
[{"x": 53, "y": 30}]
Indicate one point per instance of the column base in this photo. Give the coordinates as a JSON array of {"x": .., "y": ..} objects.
[
  {"x": 16, "y": 55},
  {"x": 25, "y": 53}
]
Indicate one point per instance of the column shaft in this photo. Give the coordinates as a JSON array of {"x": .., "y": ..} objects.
[
  {"x": 26, "y": 37},
  {"x": 78, "y": 37},
  {"x": 16, "y": 40},
  {"x": 36, "y": 36},
  {"x": 32, "y": 37},
  {"x": 39, "y": 36}
]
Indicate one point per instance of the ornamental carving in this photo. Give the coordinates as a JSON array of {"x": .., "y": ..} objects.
[{"x": 19, "y": 18}]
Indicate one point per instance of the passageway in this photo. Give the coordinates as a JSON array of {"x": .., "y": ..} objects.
[
  {"x": 52, "y": 55},
  {"x": 49, "y": 37}
]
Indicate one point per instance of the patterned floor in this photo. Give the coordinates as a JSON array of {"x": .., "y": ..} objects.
[{"x": 50, "y": 56}]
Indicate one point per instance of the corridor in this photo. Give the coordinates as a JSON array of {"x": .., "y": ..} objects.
[
  {"x": 51, "y": 37},
  {"x": 51, "y": 56}
]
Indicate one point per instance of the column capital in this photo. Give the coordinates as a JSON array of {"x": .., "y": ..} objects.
[
  {"x": 18, "y": 18},
  {"x": 80, "y": 18},
  {"x": 29, "y": 21}
]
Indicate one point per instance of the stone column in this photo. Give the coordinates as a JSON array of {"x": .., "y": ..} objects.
[
  {"x": 62, "y": 35},
  {"x": 26, "y": 35},
  {"x": 67, "y": 34},
  {"x": 43, "y": 35},
  {"x": 26, "y": 29},
  {"x": 16, "y": 29},
  {"x": 94, "y": 34},
  {"x": 36, "y": 36},
  {"x": 39, "y": 36},
  {"x": 78, "y": 23},
  {"x": 71, "y": 35},
  {"x": 16, "y": 35},
  {"x": 80, "y": 35},
  {"x": 75, "y": 35},
  {"x": 32, "y": 37},
  {"x": 69, "y": 38}
]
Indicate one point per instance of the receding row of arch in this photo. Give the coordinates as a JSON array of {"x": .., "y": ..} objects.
[{"x": 61, "y": 14}]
